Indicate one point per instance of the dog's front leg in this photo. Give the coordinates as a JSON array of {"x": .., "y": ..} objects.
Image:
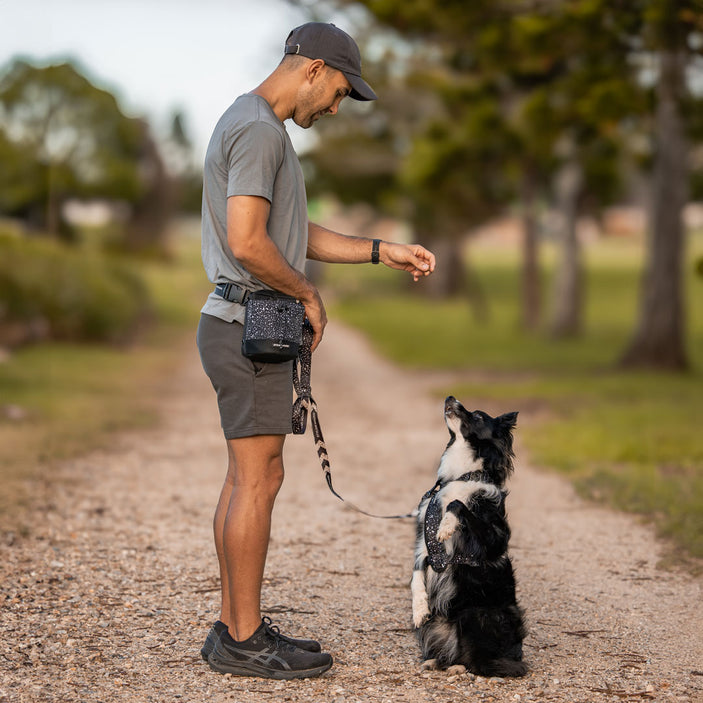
[{"x": 421, "y": 607}]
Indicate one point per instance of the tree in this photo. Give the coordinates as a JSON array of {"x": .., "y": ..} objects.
[
  {"x": 658, "y": 341},
  {"x": 411, "y": 155},
  {"x": 184, "y": 172},
  {"x": 570, "y": 101},
  {"x": 583, "y": 87},
  {"x": 558, "y": 85},
  {"x": 65, "y": 138}
]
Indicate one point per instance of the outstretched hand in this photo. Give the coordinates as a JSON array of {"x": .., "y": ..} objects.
[{"x": 413, "y": 258}]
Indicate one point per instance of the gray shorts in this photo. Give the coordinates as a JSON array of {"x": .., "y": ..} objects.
[{"x": 253, "y": 398}]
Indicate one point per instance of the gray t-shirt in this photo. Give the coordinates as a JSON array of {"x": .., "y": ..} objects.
[{"x": 250, "y": 153}]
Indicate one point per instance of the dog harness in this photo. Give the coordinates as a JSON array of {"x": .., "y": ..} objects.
[{"x": 436, "y": 552}]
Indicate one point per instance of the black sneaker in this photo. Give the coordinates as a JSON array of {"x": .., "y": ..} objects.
[
  {"x": 215, "y": 631},
  {"x": 219, "y": 627},
  {"x": 267, "y": 655}
]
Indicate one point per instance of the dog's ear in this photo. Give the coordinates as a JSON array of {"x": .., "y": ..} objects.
[{"x": 507, "y": 422}]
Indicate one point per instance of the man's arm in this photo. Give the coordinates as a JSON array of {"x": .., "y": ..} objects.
[
  {"x": 248, "y": 238},
  {"x": 333, "y": 247}
]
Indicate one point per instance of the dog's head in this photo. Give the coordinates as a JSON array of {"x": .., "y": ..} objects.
[{"x": 489, "y": 440}]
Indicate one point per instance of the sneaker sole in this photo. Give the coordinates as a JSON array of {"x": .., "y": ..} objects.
[{"x": 228, "y": 667}]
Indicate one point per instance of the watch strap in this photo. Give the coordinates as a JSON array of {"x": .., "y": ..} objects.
[{"x": 375, "y": 251}]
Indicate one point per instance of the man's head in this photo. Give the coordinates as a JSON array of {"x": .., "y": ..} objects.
[
  {"x": 319, "y": 40},
  {"x": 319, "y": 89}
]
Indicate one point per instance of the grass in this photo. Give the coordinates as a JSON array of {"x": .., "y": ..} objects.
[
  {"x": 74, "y": 397},
  {"x": 629, "y": 439}
]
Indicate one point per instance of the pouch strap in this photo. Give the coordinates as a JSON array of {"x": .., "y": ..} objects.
[{"x": 232, "y": 292}]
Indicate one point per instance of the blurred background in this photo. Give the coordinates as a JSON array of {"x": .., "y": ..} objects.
[{"x": 549, "y": 153}]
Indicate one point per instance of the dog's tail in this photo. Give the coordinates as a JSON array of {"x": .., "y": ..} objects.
[{"x": 502, "y": 668}]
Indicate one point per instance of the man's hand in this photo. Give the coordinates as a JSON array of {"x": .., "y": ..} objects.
[
  {"x": 316, "y": 314},
  {"x": 408, "y": 257}
]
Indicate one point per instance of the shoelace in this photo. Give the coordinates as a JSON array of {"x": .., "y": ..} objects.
[
  {"x": 270, "y": 626},
  {"x": 275, "y": 632}
]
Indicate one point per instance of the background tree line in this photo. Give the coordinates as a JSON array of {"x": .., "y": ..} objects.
[
  {"x": 496, "y": 105},
  {"x": 64, "y": 139}
]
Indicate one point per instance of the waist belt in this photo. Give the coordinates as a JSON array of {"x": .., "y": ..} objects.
[{"x": 232, "y": 292}]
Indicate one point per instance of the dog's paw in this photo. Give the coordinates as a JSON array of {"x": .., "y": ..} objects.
[
  {"x": 421, "y": 606},
  {"x": 421, "y": 612},
  {"x": 456, "y": 670},
  {"x": 447, "y": 527},
  {"x": 429, "y": 665}
]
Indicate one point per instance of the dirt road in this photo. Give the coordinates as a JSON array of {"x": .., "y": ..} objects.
[{"x": 109, "y": 596}]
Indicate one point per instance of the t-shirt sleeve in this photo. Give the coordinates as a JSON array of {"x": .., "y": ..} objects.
[{"x": 254, "y": 156}]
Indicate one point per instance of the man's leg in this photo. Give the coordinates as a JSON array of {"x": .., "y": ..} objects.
[
  {"x": 250, "y": 646},
  {"x": 242, "y": 527}
]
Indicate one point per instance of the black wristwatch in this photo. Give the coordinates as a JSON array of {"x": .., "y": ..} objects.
[{"x": 375, "y": 254}]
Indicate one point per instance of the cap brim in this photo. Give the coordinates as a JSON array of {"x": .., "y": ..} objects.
[{"x": 361, "y": 90}]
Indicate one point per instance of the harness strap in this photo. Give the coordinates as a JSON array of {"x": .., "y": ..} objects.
[
  {"x": 305, "y": 404},
  {"x": 436, "y": 552}
]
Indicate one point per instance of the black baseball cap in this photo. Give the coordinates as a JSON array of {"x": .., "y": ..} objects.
[{"x": 319, "y": 40}]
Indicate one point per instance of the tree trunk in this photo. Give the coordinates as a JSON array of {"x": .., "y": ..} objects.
[
  {"x": 531, "y": 293},
  {"x": 453, "y": 276},
  {"x": 448, "y": 278},
  {"x": 659, "y": 337},
  {"x": 567, "y": 320},
  {"x": 52, "y": 217},
  {"x": 146, "y": 229}
]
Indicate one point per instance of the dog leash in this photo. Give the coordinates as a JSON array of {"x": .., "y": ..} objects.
[{"x": 304, "y": 404}]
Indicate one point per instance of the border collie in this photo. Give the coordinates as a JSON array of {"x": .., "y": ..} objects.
[{"x": 463, "y": 588}]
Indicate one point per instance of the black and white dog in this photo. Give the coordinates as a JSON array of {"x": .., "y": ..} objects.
[{"x": 463, "y": 586}]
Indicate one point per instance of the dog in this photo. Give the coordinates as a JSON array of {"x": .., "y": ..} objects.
[{"x": 464, "y": 605}]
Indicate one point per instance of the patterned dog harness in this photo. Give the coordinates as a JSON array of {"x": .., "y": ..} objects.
[{"x": 436, "y": 552}]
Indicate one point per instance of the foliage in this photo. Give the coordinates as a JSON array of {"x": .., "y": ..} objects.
[
  {"x": 67, "y": 293},
  {"x": 515, "y": 89},
  {"x": 71, "y": 134},
  {"x": 61, "y": 137}
]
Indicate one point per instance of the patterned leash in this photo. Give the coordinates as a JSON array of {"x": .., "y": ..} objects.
[{"x": 305, "y": 404}]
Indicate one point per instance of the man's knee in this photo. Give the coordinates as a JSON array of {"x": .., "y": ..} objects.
[
  {"x": 272, "y": 477},
  {"x": 257, "y": 463}
]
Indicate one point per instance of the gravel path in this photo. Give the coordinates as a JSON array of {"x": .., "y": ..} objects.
[{"x": 109, "y": 596}]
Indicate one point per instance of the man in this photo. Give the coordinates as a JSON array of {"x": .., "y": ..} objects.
[{"x": 256, "y": 235}]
